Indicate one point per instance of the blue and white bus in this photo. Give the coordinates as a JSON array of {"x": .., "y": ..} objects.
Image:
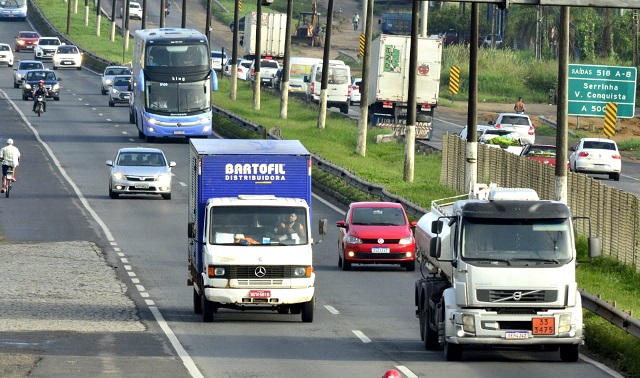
[
  {"x": 172, "y": 83},
  {"x": 13, "y": 10}
]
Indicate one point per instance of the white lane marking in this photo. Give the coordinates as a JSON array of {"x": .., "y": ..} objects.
[
  {"x": 135, "y": 280},
  {"x": 131, "y": 274},
  {"x": 149, "y": 302},
  {"x": 120, "y": 254},
  {"x": 405, "y": 370},
  {"x": 332, "y": 310},
  {"x": 186, "y": 359},
  {"x": 450, "y": 123},
  {"x": 602, "y": 367},
  {"x": 361, "y": 336},
  {"x": 124, "y": 260},
  {"x": 140, "y": 288},
  {"x": 334, "y": 208},
  {"x": 182, "y": 183}
]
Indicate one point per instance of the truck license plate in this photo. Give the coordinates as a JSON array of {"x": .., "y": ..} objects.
[
  {"x": 512, "y": 335},
  {"x": 543, "y": 326},
  {"x": 380, "y": 250},
  {"x": 260, "y": 293}
]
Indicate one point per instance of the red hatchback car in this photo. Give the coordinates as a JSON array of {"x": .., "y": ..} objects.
[
  {"x": 376, "y": 233},
  {"x": 26, "y": 40}
]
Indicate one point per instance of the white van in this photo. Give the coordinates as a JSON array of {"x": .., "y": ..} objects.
[
  {"x": 299, "y": 67},
  {"x": 338, "y": 86}
]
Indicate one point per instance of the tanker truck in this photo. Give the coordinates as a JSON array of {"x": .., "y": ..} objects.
[{"x": 498, "y": 270}]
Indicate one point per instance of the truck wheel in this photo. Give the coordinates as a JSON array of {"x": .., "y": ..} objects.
[
  {"x": 452, "y": 352},
  {"x": 208, "y": 309},
  {"x": 430, "y": 336},
  {"x": 307, "y": 311},
  {"x": 345, "y": 109},
  {"x": 569, "y": 353},
  {"x": 166, "y": 196},
  {"x": 197, "y": 302}
]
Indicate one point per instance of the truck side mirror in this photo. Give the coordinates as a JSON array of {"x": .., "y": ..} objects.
[
  {"x": 436, "y": 227},
  {"x": 595, "y": 247},
  {"x": 306, "y": 78},
  {"x": 435, "y": 247},
  {"x": 322, "y": 226},
  {"x": 191, "y": 230}
]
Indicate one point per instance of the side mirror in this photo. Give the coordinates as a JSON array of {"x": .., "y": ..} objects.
[
  {"x": 322, "y": 226},
  {"x": 191, "y": 230},
  {"x": 306, "y": 78},
  {"x": 436, "y": 226},
  {"x": 435, "y": 247}
]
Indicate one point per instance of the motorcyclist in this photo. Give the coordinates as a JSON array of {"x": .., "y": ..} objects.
[{"x": 40, "y": 90}]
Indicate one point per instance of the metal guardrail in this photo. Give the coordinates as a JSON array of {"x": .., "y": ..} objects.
[{"x": 591, "y": 302}]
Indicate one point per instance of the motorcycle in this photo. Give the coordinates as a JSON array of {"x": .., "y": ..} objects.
[
  {"x": 9, "y": 181},
  {"x": 39, "y": 105}
]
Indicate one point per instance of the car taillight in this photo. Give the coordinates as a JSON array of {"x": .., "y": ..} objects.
[
  {"x": 583, "y": 154},
  {"x": 497, "y": 126},
  {"x": 532, "y": 130},
  {"x": 349, "y": 92},
  {"x": 313, "y": 87},
  {"x": 616, "y": 156}
]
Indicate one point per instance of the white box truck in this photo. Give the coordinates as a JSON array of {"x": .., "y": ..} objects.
[
  {"x": 273, "y": 35},
  {"x": 389, "y": 81}
]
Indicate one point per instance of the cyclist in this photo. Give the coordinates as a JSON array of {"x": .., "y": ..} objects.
[
  {"x": 40, "y": 90},
  {"x": 9, "y": 157}
]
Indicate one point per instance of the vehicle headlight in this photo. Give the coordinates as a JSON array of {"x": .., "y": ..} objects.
[
  {"x": 108, "y": 81},
  {"x": 406, "y": 240},
  {"x": 18, "y": 76},
  {"x": 114, "y": 91},
  {"x": 469, "y": 323},
  {"x": 353, "y": 240},
  {"x": 302, "y": 271},
  {"x": 55, "y": 86},
  {"x": 564, "y": 323},
  {"x": 27, "y": 86},
  {"x": 164, "y": 177},
  {"x": 118, "y": 175},
  {"x": 21, "y": 42}
]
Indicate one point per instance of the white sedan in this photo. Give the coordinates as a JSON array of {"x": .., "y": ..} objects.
[
  {"x": 598, "y": 156},
  {"x": 516, "y": 122},
  {"x": 243, "y": 68},
  {"x": 6, "y": 55},
  {"x": 67, "y": 56}
]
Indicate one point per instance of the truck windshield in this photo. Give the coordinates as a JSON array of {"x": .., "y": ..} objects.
[
  {"x": 514, "y": 242},
  {"x": 249, "y": 226}
]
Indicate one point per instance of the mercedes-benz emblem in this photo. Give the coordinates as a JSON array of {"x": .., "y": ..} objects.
[
  {"x": 260, "y": 271},
  {"x": 381, "y": 241}
]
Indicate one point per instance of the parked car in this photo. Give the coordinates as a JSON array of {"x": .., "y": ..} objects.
[
  {"x": 26, "y": 40},
  {"x": 6, "y": 55},
  {"x": 243, "y": 67},
  {"x": 596, "y": 156},
  {"x": 46, "y": 47},
  {"x": 135, "y": 11},
  {"x": 543, "y": 153},
  {"x": 51, "y": 82},
  {"x": 268, "y": 69},
  {"x": 354, "y": 96},
  {"x": 109, "y": 73},
  {"x": 486, "y": 133},
  {"x": 120, "y": 91},
  {"x": 67, "y": 56},
  {"x": 22, "y": 68},
  {"x": 376, "y": 233},
  {"x": 486, "y": 42},
  {"x": 516, "y": 122},
  {"x": 218, "y": 59},
  {"x": 140, "y": 170}
]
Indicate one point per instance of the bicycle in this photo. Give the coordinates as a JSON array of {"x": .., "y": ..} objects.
[{"x": 9, "y": 181}]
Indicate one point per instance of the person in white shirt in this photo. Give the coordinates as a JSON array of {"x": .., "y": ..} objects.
[{"x": 9, "y": 157}]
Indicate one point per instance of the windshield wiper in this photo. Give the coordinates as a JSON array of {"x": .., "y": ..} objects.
[
  {"x": 487, "y": 260},
  {"x": 543, "y": 261}
]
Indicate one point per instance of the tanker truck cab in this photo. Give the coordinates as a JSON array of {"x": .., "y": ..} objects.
[{"x": 501, "y": 272}]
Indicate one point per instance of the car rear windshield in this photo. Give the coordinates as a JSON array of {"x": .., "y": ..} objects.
[
  {"x": 515, "y": 120},
  {"x": 269, "y": 64},
  {"x": 596, "y": 145}
]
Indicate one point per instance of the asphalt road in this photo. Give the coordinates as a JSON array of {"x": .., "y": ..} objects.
[{"x": 364, "y": 323}]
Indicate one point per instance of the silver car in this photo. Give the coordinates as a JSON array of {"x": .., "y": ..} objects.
[
  {"x": 24, "y": 66},
  {"x": 120, "y": 91},
  {"x": 140, "y": 170},
  {"x": 109, "y": 73}
]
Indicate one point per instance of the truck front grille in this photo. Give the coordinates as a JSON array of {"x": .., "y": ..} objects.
[
  {"x": 270, "y": 272},
  {"x": 517, "y": 296}
]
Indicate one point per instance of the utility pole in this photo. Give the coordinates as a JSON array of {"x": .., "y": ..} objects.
[
  {"x": 635, "y": 37},
  {"x": 113, "y": 20},
  {"x": 234, "y": 53},
  {"x": 322, "y": 115},
  {"x": 257, "y": 82},
  {"x": 563, "y": 107},
  {"x": 125, "y": 22},
  {"x": 361, "y": 146},
  {"x": 184, "y": 15},
  {"x": 207, "y": 23},
  {"x": 284, "y": 91},
  {"x": 143, "y": 22},
  {"x": 472, "y": 114},
  {"x": 410, "y": 134},
  {"x": 163, "y": 18},
  {"x": 98, "y": 17}
]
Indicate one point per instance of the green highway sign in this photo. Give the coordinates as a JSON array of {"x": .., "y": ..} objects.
[{"x": 591, "y": 87}]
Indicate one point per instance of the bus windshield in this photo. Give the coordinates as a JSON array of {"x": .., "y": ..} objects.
[
  {"x": 191, "y": 56},
  {"x": 13, "y": 3},
  {"x": 177, "y": 97}
]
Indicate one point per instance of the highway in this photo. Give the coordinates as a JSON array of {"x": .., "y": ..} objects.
[{"x": 365, "y": 319}]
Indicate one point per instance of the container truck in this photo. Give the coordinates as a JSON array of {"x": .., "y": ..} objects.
[
  {"x": 389, "y": 81},
  {"x": 246, "y": 250},
  {"x": 272, "y": 38},
  {"x": 498, "y": 269}
]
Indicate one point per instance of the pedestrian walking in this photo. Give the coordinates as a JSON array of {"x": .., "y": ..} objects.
[
  {"x": 519, "y": 106},
  {"x": 356, "y": 21}
]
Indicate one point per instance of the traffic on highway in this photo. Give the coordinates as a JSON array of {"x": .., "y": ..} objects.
[{"x": 364, "y": 320}]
